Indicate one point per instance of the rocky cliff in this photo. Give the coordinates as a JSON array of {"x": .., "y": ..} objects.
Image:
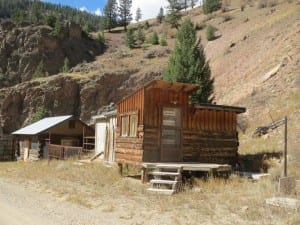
[{"x": 22, "y": 48}]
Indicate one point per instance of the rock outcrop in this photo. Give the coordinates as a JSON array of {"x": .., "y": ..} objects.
[{"x": 23, "y": 48}]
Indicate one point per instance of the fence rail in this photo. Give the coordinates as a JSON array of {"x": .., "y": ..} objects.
[{"x": 63, "y": 152}]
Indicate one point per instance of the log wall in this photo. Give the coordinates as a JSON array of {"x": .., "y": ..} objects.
[{"x": 6, "y": 149}]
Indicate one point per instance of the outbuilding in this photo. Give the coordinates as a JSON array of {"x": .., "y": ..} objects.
[
  {"x": 157, "y": 123},
  {"x": 59, "y": 137},
  {"x": 105, "y": 126}
]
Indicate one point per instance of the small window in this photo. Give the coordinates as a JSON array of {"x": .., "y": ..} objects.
[
  {"x": 124, "y": 125},
  {"x": 133, "y": 126},
  {"x": 72, "y": 124},
  {"x": 129, "y": 125}
]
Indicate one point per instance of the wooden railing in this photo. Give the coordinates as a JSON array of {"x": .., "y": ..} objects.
[{"x": 63, "y": 152}]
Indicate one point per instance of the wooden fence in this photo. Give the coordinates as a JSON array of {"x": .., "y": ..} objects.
[
  {"x": 6, "y": 149},
  {"x": 63, "y": 152}
]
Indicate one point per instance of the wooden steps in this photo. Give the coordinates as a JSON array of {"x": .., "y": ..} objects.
[{"x": 167, "y": 180}]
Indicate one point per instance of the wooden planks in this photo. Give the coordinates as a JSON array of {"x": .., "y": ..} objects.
[{"x": 6, "y": 149}]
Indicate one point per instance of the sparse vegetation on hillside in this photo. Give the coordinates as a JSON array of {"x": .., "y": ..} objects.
[
  {"x": 210, "y": 33},
  {"x": 210, "y": 6},
  {"x": 40, "y": 113}
]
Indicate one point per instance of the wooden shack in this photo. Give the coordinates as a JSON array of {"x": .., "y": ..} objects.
[
  {"x": 58, "y": 137},
  {"x": 157, "y": 123},
  {"x": 105, "y": 125}
]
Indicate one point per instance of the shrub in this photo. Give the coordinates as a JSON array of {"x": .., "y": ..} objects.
[
  {"x": 140, "y": 36},
  {"x": 66, "y": 66},
  {"x": 40, "y": 113},
  {"x": 154, "y": 39},
  {"x": 210, "y": 33},
  {"x": 40, "y": 70},
  {"x": 146, "y": 25},
  {"x": 129, "y": 38},
  {"x": 210, "y": 6},
  {"x": 200, "y": 26},
  {"x": 100, "y": 37},
  {"x": 163, "y": 40},
  {"x": 227, "y": 18}
]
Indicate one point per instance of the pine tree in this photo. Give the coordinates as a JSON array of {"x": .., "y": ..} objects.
[
  {"x": 187, "y": 64},
  {"x": 174, "y": 14},
  {"x": 138, "y": 15},
  {"x": 124, "y": 12},
  {"x": 129, "y": 38},
  {"x": 110, "y": 14},
  {"x": 140, "y": 36},
  {"x": 160, "y": 15}
]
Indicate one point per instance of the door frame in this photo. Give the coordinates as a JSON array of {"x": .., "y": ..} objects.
[{"x": 177, "y": 128}]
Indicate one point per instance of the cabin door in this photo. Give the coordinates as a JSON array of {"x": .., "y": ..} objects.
[{"x": 171, "y": 135}]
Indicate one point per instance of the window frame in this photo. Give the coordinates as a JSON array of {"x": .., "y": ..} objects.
[{"x": 126, "y": 130}]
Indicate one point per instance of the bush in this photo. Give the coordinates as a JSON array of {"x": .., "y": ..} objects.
[
  {"x": 200, "y": 26},
  {"x": 40, "y": 70},
  {"x": 39, "y": 114},
  {"x": 146, "y": 25},
  {"x": 210, "y": 33},
  {"x": 100, "y": 37},
  {"x": 153, "y": 39},
  {"x": 210, "y": 6},
  {"x": 129, "y": 38},
  {"x": 227, "y": 18},
  {"x": 163, "y": 40},
  {"x": 140, "y": 36}
]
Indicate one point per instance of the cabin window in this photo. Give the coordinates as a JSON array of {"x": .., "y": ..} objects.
[
  {"x": 129, "y": 125},
  {"x": 133, "y": 126},
  {"x": 72, "y": 124},
  {"x": 124, "y": 131}
]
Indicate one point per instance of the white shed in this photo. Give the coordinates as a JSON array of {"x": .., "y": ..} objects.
[{"x": 105, "y": 125}]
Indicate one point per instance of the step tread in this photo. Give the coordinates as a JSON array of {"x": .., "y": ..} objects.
[
  {"x": 165, "y": 173},
  {"x": 159, "y": 181},
  {"x": 162, "y": 191}
]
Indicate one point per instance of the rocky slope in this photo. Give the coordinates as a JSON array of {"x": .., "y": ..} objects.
[{"x": 22, "y": 48}]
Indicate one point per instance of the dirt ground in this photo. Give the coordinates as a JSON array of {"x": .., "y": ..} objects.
[{"x": 66, "y": 193}]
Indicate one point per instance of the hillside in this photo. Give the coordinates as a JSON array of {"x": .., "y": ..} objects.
[{"x": 255, "y": 63}]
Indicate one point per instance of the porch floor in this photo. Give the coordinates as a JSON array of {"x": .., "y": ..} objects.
[
  {"x": 210, "y": 168},
  {"x": 190, "y": 166}
]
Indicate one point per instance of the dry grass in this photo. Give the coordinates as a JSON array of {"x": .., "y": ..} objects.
[{"x": 216, "y": 201}]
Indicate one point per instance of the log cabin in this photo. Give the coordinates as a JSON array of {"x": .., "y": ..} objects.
[{"x": 157, "y": 123}]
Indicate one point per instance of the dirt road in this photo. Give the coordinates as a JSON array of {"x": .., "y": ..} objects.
[{"x": 20, "y": 205}]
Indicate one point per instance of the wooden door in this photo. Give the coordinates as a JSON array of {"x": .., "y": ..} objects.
[{"x": 170, "y": 148}]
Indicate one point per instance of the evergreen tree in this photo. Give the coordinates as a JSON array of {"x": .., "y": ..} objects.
[
  {"x": 160, "y": 15},
  {"x": 66, "y": 66},
  {"x": 40, "y": 113},
  {"x": 210, "y": 6},
  {"x": 193, "y": 3},
  {"x": 129, "y": 38},
  {"x": 110, "y": 14},
  {"x": 187, "y": 64},
  {"x": 154, "y": 40},
  {"x": 138, "y": 15},
  {"x": 174, "y": 14},
  {"x": 140, "y": 36},
  {"x": 124, "y": 12}
]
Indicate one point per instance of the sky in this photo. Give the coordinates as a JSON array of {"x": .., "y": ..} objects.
[{"x": 149, "y": 8}]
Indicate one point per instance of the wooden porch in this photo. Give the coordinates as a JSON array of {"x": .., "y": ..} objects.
[{"x": 167, "y": 177}]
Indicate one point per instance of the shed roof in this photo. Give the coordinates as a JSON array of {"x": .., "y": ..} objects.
[
  {"x": 42, "y": 125},
  {"x": 220, "y": 107},
  {"x": 172, "y": 86}
]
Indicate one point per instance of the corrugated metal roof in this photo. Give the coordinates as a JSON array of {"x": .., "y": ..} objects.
[{"x": 42, "y": 125}]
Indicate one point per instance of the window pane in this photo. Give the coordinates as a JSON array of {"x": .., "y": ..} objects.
[
  {"x": 133, "y": 126},
  {"x": 124, "y": 125}
]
